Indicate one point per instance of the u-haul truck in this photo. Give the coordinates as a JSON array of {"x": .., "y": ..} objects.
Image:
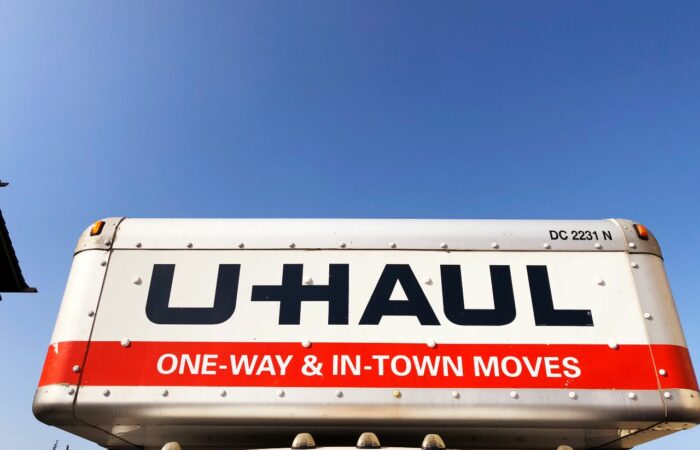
[{"x": 492, "y": 334}]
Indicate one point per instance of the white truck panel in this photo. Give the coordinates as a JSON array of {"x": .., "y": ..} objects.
[
  {"x": 497, "y": 334},
  {"x": 575, "y": 282}
]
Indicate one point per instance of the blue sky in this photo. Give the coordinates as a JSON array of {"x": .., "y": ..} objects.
[{"x": 337, "y": 109}]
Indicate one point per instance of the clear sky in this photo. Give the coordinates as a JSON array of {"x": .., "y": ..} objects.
[{"x": 337, "y": 109}]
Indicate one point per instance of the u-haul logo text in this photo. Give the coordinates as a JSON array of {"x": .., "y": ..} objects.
[{"x": 292, "y": 293}]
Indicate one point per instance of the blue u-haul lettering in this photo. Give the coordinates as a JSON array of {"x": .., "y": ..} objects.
[{"x": 292, "y": 292}]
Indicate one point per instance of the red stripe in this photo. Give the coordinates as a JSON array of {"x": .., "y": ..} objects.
[
  {"x": 59, "y": 363},
  {"x": 676, "y": 363},
  {"x": 600, "y": 367}
]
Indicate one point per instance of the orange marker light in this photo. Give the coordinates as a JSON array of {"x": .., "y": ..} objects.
[
  {"x": 642, "y": 231},
  {"x": 97, "y": 228}
]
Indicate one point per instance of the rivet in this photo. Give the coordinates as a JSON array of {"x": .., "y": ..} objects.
[
  {"x": 136, "y": 281},
  {"x": 494, "y": 244},
  {"x": 106, "y": 392},
  {"x": 598, "y": 245},
  {"x": 342, "y": 244},
  {"x": 667, "y": 395},
  {"x": 632, "y": 395},
  {"x": 647, "y": 316},
  {"x": 76, "y": 368},
  {"x": 339, "y": 394},
  {"x": 634, "y": 264},
  {"x": 309, "y": 281},
  {"x": 431, "y": 343},
  {"x": 71, "y": 391},
  {"x": 455, "y": 394},
  {"x": 91, "y": 313},
  {"x": 392, "y": 244},
  {"x": 138, "y": 245},
  {"x": 428, "y": 280},
  {"x": 280, "y": 393},
  {"x": 103, "y": 263},
  {"x": 292, "y": 245},
  {"x": 241, "y": 245},
  {"x": 397, "y": 394},
  {"x": 514, "y": 394},
  {"x": 613, "y": 345},
  {"x": 662, "y": 372},
  {"x": 632, "y": 245},
  {"x": 223, "y": 393},
  {"x": 547, "y": 245},
  {"x": 126, "y": 342},
  {"x": 165, "y": 393},
  {"x": 306, "y": 343},
  {"x": 573, "y": 395},
  {"x": 600, "y": 281},
  {"x": 443, "y": 244},
  {"x": 190, "y": 245}
]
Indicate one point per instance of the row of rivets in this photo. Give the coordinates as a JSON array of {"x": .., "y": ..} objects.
[
  {"x": 306, "y": 343},
  {"x": 548, "y": 246},
  {"x": 91, "y": 313},
  {"x": 396, "y": 394},
  {"x": 648, "y": 316},
  {"x": 309, "y": 281},
  {"x": 392, "y": 244}
]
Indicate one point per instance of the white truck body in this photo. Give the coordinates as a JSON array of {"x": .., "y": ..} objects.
[{"x": 240, "y": 333}]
